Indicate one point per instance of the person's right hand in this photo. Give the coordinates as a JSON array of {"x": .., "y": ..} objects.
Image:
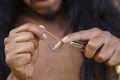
[{"x": 20, "y": 47}]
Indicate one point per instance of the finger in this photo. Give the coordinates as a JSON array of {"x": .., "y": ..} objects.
[
  {"x": 18, "y": 48},
  {"x": 107, "y": 50},
  {"x": 23, "y": 37},
  {"x": 104, "y": 54},
  {"x": 6, "y": 40},
  {"x": 26, "y": 71},
  {"x": 114, "y": 59},
  {"x": 18, "y": 60},
  {"x": 12, "y": 32},
  {"x": 36, "y": 30},
  {"x": 82, "y": 35},
  {"x": 25, "y": 47},
  {"x": 93, "y": 46}
]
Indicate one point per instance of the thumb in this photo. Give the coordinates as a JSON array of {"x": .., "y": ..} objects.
[
  {"x": 38, "y": 31},
  {"x": 83, "y": 35}
]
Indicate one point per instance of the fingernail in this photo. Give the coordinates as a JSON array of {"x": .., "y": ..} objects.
[
  {"x": 42, "y": 26},
  {"x": 44, "y": 36},
  {"x": 66, "y": 39}
]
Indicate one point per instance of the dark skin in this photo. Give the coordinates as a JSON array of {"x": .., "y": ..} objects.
[{"x": 31, "y": 57}]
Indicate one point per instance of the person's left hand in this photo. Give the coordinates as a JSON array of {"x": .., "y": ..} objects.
[{"x": 108, "y": 44}]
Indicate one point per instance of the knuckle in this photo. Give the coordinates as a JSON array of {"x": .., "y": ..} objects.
[
  {"x": 6, "y": 50},
  {"x": 28, "y": 24},
  {"x": 110, "y": 63},
  {"x": 88, "y": 55},
  {"x": 35, "y": 43},
  {"x": 96, "y": 31},
  {"x": 28, "y": 47},
  {"x": 115, "y": 40},
  {"x": 6, "y": 40},
  {"x": 32, "y": 45},
  {"x": 107, "y": 33},
  {"x": 91, "y": 45},
  {"x": 28, "y": 56},
  {"x": 95, "y": 28},
  {"x": 30, "y": 35},
  {"x": 9, "y": 59},
  {"x": 24, "y": 37},
  {"x": 100, "y": 58},
  {"x": 12, "y": 31}
]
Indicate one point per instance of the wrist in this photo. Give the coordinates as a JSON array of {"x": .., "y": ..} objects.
[{"x": 12, "y": 77}]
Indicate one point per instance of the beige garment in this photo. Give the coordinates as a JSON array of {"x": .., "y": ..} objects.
[{"x": 119, "y": 77}]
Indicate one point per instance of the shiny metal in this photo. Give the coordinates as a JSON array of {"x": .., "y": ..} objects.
[
  {"x": 77, "y": 45},
  {"x": 57, "y": 46},
  {"x": 118, "y": 69}
]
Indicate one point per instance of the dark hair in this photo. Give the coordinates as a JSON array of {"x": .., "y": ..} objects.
[
  {"x": 86, "y": 14},
  {"x": 94, "y": 13},
  {"x": 7, "y": 16}
]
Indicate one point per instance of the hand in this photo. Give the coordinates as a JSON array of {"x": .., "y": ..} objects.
[
  {"x": 108, "y": 44},
  {"x": 20, "y": 47}
]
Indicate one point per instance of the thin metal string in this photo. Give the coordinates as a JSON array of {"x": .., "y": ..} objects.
[
  {"x": 52, "y": 35},
  {"x": 42, "y": 26}
]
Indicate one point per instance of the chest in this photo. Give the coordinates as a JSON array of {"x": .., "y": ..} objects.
[{"x": 63, "y": 64}]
